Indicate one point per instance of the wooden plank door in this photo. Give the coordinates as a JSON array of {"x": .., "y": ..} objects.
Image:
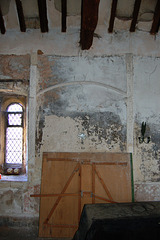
[{"x": 70, "y": 180}]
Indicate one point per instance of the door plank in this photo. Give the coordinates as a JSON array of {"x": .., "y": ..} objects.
[
  {"x": 103, "y": 184},
  {"x": 63, "y": 191}
]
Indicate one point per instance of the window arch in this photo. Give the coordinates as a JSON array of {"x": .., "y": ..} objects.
[{"x": 14, "y": 134}]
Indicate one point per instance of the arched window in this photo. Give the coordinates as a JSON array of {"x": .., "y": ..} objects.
[{"x": 14, "y": 135}]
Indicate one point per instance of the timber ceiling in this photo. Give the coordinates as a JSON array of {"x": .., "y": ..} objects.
[{"x": 34, "y": 14}]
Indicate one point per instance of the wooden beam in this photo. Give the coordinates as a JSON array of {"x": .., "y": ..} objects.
[
  {"x": 21, "y": 16},
  {"x": 158, "y": 26},
  {"x": 2, "y": 27},
  {"x": 137, "y": 5},
  {"x": 64, "y": 14},
  {"x": 156, "y": 19},
  {"x": 89, "y": 19},
  {"x": 112, "y": 17},
  {"x": 42, "y": 6}
]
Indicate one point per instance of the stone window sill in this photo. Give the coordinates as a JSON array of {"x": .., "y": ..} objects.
[{"x": 14, "y": 178}]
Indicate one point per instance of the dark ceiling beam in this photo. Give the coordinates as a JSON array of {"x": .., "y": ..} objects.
[
  {"x": 21, "y": 16},
  {"x": 2, "y": 27},
  {"x": 158, "y": 26},
  {"x": 42, "y": 6},
  {"x": 156, "y": 19},
  {"x": 89, "y": 19},
  {"x": 112, "y": 17},
  {"x": 137, "y": 5},
  {"x": 64, "y": 14}
]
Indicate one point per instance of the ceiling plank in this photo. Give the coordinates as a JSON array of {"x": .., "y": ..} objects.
[
  {"x": 89, "y": 19},
  {"x": 112, "y": 17},
  {"x": 21, "y": 16},
  {"x": 42, "y": 6},
  {"x": 137, "y": 5},
  {"x": 2, "y": 27},
  {"x": 156, "y": 19},
  {"x": 64, "y": 14}
]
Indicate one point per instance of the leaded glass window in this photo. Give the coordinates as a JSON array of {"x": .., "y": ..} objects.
[{"x": 14, "y": 134}]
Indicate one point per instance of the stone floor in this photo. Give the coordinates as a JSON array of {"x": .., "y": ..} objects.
[{"x": 16, "y": 233}]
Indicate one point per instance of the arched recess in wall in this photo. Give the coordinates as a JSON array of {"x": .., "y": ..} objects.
[
  {"x": 7, "y": 101},
  {"x": 82, "y": 83},
  {"x": 83, "y": 96}
]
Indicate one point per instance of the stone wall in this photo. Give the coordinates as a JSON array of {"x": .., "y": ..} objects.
[{"x": 84, "y": 101}]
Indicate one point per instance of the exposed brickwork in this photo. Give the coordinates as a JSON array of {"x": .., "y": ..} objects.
[
  {"x": 45, "y": 71},
  {"x": 15, "y": 67}
]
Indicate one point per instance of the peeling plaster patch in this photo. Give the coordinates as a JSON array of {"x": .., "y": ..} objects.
[
  {"x": 104, "y": 126},
  {"x": 149, "y": 165},
  {"x": 62, "y": 133},
  {"x": 155, "y": 132}
]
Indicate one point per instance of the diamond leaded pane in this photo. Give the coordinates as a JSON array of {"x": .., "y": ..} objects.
[
  {"x": 14, "y": 144},
  {"x": 15, "y": 119}
]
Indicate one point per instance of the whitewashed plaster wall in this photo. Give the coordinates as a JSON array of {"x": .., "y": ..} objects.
[{"x": 54, "y": 42}]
